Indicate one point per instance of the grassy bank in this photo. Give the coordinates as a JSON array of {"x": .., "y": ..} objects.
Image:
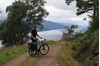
[
  {"x": 9, "y": 53},
  {"x": 65, "y": 56}
]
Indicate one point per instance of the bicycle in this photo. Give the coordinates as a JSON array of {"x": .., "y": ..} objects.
[{"x": 42, "y": 48}]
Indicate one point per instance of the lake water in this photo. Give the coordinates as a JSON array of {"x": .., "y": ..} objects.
[
  {"x": 49, "y": 35},
  {"x": 0, "y": 44}
]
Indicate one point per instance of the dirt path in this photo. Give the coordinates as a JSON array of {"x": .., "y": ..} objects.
[
  {"x": 42, "y": 60},
  {"x": 17, "y": 61},
  {"x": 51, "y": 58}
]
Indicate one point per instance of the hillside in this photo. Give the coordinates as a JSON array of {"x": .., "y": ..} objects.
[{"x": 48, "y": 25}]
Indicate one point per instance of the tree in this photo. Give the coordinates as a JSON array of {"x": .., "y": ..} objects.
[
  {"x": 36, "y": 12},
  {"x": 86, "y": 47},
  {"x": 88, "y": 6},
  {"x": 0, "y": 11},
  {"x": 21, "y": 16},
  {"x": 13, "y": 28},
  {"x": 70, "y": 32}
]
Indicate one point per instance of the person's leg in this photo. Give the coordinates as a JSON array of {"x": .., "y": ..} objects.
[
  {"x": 32, "y": 46},
  {"x": 35, "y": 47},
  {"x": 29, "y": 45}
]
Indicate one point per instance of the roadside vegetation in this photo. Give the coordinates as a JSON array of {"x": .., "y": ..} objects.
[
  {"x": 85, "y": 45},
  {"x": 9, "y": 53},
  {"x": 66, "y": 56},
  {"x": 85, "y": 48}
]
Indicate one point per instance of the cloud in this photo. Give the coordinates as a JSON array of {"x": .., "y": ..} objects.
[
  {"x": 60, "y": 4},
  {"x": 58, "y": 12},
  {"x": 2, "y": 16},
  {"x": 4, "y": 4},
  {"x": 76, "y": 19},
  {"x": 60, "y": 15}
]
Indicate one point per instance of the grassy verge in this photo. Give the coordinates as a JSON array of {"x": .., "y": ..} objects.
[
  {"x": 65, "y": 57},
  {"x": 7, "y": 54}
]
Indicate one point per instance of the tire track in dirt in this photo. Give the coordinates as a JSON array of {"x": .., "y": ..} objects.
[
  {"x": 51, "y": 58},
  {"x": 42, "y": 60}
]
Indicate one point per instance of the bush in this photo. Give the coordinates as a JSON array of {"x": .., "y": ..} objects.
[{"x": 86, "y": 48}]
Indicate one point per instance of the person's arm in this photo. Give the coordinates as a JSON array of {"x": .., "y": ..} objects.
[
  {"x": 39, "y": 36},
  {"x": 33, "y": 37}
]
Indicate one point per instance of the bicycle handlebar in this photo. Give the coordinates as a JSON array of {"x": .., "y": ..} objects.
[{"x": 41, "y": 40}]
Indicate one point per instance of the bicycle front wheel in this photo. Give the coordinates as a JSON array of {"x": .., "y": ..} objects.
[{"x": 44, "y": 49}]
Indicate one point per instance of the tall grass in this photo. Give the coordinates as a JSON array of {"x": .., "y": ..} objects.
[
  {"x": 7, "y": 54},
  {"x": 65, "y": 57}
]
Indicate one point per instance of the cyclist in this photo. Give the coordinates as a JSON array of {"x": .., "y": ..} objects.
[{"x": 34, "y": 38}]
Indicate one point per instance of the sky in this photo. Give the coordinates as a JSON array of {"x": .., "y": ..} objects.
[{"x": 58, "y": 12}]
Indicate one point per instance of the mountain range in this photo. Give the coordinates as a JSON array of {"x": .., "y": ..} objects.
[{"x": 48, "y": 25}]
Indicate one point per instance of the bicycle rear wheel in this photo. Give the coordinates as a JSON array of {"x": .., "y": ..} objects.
[
  {"x": 44, "y": 49},
  {"x": 31, "y": 52}
]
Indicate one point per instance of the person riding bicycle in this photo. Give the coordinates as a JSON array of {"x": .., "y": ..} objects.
[{"x": 33, "y": 36}]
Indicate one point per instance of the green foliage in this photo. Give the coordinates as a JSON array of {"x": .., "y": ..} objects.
[
  {"x": 0, "y": 11},
  {"x": 36, "y": 12},
  {"x": 7, "y": 54},
  {"x": 87, "y": 48},
  {"x": 94, "y": 23},
  {"x": 12, "y": 31},
  {"x": 80, "y": 47},
  {"x": 71, "y": 32},
  {"x": 66, "y": 58},
  {"x": 21, "y": 16},
  {"x": 88, "y": 6}
]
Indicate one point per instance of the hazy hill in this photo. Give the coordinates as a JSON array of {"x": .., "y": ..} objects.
[{"x": 48, "y": 25}]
